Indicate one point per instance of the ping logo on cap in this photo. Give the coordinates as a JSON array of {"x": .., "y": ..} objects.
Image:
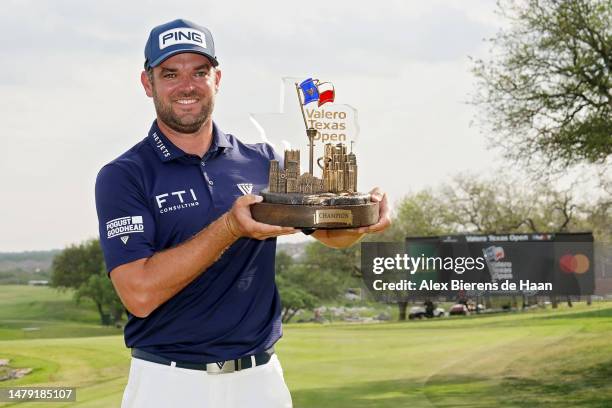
[{"x": 181, "y": 36}]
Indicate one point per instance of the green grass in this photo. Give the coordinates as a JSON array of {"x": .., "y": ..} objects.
[
  {"x": 29, "y": 312},
  {"x": 538, "y": 359},
  {"x": 43, "y": 303},
  {"x": 543, "y": 358}
]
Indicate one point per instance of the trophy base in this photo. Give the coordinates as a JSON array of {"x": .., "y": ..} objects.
[{"x": 316, "y": 216}]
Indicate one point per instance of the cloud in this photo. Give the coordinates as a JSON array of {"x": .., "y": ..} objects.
[
  {"x": 350, "y": 39},
  {"x": 72, "y": 100},
  {"x": 335, "y": 36}
]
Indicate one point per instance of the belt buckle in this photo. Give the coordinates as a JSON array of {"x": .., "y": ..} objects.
[{"x": 222, "y": 367}]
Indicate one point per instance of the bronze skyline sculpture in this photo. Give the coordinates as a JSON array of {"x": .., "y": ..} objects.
[{"x": 306, "y": 201}]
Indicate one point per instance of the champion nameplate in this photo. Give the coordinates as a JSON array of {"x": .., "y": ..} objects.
[{"x": 333, "y": 216}]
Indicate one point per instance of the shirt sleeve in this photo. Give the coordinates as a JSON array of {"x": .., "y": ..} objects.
[{"x": 126, "y": 224}]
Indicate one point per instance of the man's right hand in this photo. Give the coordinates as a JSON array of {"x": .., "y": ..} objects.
[
  {"x": 240, "y": 223},
  {"x": 146, "y": 283}
]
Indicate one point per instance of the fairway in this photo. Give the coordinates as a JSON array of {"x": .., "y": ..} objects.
[{"x": 545, "y": 358}]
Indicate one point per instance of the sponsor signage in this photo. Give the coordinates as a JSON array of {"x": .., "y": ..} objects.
[{"x": 496, "y": 264}]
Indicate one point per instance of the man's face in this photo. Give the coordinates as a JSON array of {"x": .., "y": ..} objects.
[{"x": 183, "y": 88}]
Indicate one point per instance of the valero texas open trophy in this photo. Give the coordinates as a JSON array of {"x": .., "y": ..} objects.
[{"x": 305, "y": 201}]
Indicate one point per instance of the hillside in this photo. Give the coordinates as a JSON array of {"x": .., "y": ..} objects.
[{"x": 21, "y": 267}]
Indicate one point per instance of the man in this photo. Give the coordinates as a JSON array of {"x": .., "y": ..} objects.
[{"x": 193, "y": 269}]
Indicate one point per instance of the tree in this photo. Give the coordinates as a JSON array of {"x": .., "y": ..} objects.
[
  {"x": 81, "y": 267},
  {"x": 418, "y": 214},
  {"x": 599, "y": 219},
  {"x": 283, "y": 261},
  {"x": 72, "y": 267},
  {"x": 342, "y": 263},
  {"x": 489, "y": 206},
  {"x": 305, "y": 284},
  {"x": 99, "y": 288},
  {"x": 546, "y": 92},
  {"x": 293, "y": 292}
]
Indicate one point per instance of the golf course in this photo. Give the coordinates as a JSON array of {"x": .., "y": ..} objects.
[{"x": 537, "y": 358}]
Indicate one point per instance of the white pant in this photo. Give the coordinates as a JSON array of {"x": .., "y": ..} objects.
[{"x": 152, "y": 385}]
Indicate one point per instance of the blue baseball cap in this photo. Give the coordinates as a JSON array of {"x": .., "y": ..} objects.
[{"x": 176, "y": 37}]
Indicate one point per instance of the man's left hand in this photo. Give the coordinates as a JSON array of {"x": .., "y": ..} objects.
[
  {"x": 342, "y": 238},
  {"x": 384, "y": 216}
]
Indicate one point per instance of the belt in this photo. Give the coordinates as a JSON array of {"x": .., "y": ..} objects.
[{"x": 220, "y": 367}]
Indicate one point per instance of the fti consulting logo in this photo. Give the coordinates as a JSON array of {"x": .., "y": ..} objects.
[
  {"x": 176, "y": 200},
  {"x": 123, "y": 226}
]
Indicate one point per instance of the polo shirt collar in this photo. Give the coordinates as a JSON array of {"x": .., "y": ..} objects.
[
  {"x": 166, "y": 150},
  {"x": 220, "y": 139}
]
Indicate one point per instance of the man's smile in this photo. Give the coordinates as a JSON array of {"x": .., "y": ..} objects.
[{"x": 186, "y": 101}]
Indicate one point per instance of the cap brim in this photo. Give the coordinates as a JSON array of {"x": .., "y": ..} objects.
[{"x": 169, "y": 54}]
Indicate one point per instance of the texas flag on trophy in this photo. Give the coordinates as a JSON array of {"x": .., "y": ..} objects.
[{"x": 313, "y": 90}]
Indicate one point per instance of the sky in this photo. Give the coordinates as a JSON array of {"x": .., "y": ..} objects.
[{"x": 71, "y": 98}]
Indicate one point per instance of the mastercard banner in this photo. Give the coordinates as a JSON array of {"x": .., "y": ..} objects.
[{"x": 574, "y": 266}]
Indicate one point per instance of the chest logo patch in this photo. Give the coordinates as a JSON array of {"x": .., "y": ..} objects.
[
  {"x": 176, "y": 200},
  {"x": 245, "y": 188}
]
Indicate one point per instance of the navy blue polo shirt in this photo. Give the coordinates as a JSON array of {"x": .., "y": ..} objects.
[{"x": 154, "y": 197}]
